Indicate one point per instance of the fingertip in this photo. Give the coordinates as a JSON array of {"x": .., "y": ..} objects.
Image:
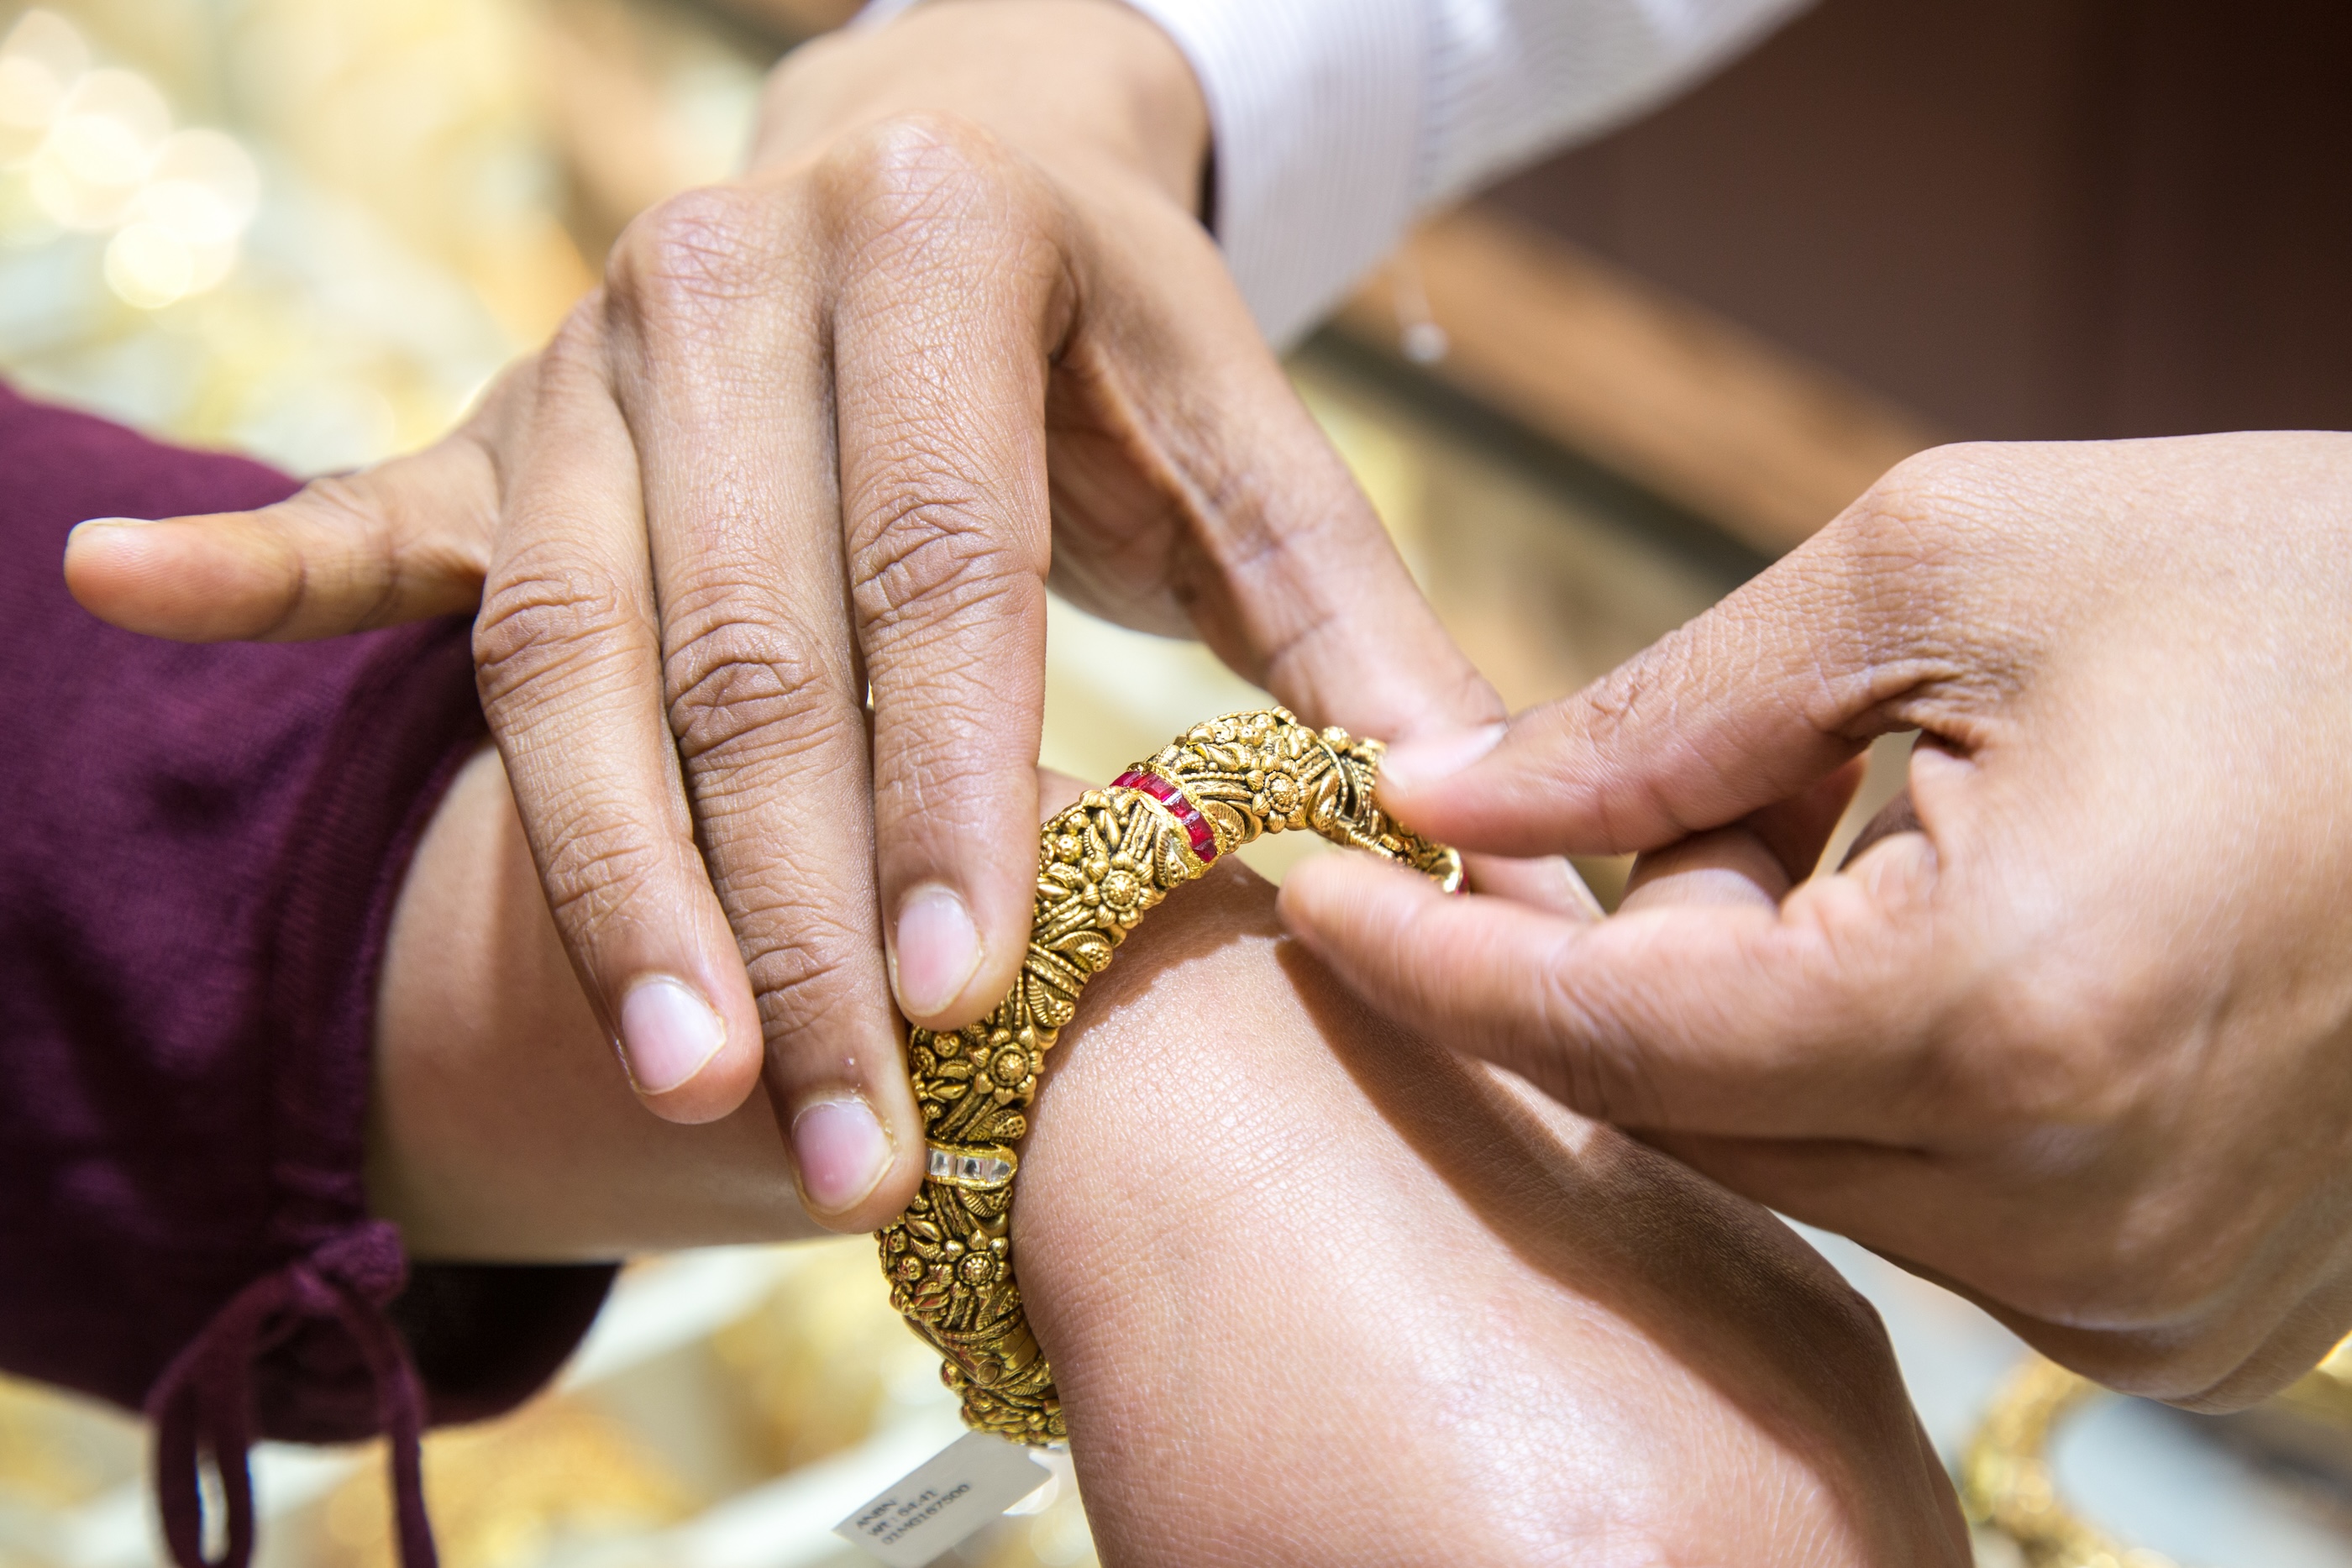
[
  {"x": 684, "y": 1062},
  {"x": 1547, "y": 882},
  {"x": 1526, "y": 789},
  {"x": 852, "y": 1171},
  {"x": 103, "y": 556},
  {"x": 191, "y": 580},
  {"x": 1411, "y": 766},
  {"x": 92, "y": 531},
  {"x": 1303, "y": 894},
  {"x": 1335, "y": 903},
  {"x": 1730, "y": 866},
  {"x": 935, "y": 955},
  {"x": 712, "y": 1094}
]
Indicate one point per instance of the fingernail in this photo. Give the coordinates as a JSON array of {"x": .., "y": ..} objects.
[
  {"x": 667, "y": 1032},
  {"x": 841, "y": 1152},
  {"x": 1412, "y": 763},
  {"x": 113, "y": 523},
  {"x": 936, "y": 950}
]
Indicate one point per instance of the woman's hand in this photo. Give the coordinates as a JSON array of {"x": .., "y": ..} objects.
[
  {"x": 2074, "y": 1032},
  {"x": 822, "y": 433},
  {"x": 1316, "y": 1293}
]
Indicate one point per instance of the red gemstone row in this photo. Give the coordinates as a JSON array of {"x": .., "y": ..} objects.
[{"x": 1196, "y": 826}]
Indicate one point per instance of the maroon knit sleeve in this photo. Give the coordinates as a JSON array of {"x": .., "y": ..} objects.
[{"x": 199, "y": 850}]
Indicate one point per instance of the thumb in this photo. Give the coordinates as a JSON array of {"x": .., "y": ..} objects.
[
  {"x": 1750, "y": 704},
  {"x": 398, "y": 542}
]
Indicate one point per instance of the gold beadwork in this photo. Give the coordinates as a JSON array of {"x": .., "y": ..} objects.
[{"x": 1102, "y": 865}]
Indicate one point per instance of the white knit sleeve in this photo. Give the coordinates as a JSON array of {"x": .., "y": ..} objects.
[{"x": 1336, "y": 121}]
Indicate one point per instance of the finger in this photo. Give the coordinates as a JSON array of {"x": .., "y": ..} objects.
[
  {"x": 1755, "y": 860},
  {"x": 953, "y": 295},
  {"x": 1731, "y": 865},
  {"x": 1798, "y": 830},
  {"x": 401, "y": 542},
  {"x": 1899, "y": 815},
  {"x": 720, "y": 365},
  {"x": 1747, "y": 706},
  {"x": 1283, "y": 569},
  {"x": 1724, "y": 1016},
  {"x": 1548, "y": 882},
  {"x": 567, "y": 664}
]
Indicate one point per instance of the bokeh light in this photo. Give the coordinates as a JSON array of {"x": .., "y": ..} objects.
[{"x": 96, "y": 153}]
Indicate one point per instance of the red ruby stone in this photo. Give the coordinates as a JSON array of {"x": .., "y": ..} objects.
[{"x": 1196, "y": 826}]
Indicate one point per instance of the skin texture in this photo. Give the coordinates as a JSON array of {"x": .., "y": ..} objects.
[
  {"x": 833, "y": 425},
  {"x": 1317, "y": 1291},
  {"x": 2073, "y": 1031}
]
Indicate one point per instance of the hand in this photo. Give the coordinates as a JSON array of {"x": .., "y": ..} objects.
[
  {"x": 2074, "y": 1033},
  {"x": 823, "y": 431},
  {"x": 1315, "y": 1291}
]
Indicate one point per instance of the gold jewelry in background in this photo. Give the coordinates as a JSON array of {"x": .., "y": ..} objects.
[
  {"x": 2006, "y": 1484},
  {"x": 1102, "y": 865},
  {"x": 2007, "y": 1487}
]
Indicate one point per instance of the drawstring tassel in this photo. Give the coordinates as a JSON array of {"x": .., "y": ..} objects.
[{"x": 203, "y": 1404}]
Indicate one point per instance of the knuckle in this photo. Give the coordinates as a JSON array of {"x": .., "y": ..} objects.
[
  {"x": 1909, "y": 518},
  {"x": 1935, "y": 512},
  {"x": 343, "y": 500},
  {"x": 928, "y": 189},
  {"x": 1605, "y": 707},
  {"x": 687, "y": 259},
  {"x": 1634, "y": 806},
  {"x": 906, "y": 167},
  {"x": 1915, "y": 581},
  {"x": 739, "y": 687},
  {"x": 595, "y": 870},
  {"x": 350, "y": 510},
  {"x": 928, "y": 550},
  {"x": 1921, "y": 485},
  {"x": 805, "y": 968},
  {"x": 541, "y": 622}
]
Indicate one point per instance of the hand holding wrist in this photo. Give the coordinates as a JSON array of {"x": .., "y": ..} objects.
[{"x": 2073, "y": 1035}]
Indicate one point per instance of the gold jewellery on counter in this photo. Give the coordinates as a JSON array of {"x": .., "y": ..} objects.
[{"x": 1101, "y": 866}]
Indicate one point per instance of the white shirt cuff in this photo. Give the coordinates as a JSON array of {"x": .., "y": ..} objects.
[{"x": 1317, "y": 108}]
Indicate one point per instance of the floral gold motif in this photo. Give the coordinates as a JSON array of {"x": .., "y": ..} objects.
[{"x": 1102, "y": 865}]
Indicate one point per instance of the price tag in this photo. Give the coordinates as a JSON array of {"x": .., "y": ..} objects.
[{"x": 943, "y": 1500}]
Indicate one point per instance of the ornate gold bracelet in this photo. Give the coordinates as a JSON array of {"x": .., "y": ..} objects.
[{"x": 1100, "y": 865}]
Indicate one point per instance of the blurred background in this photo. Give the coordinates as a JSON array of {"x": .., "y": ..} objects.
[{"x": 1587, "y": 406}]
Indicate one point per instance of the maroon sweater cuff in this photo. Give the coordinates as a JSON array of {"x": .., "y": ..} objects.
[{"x": 199, "y": 850}]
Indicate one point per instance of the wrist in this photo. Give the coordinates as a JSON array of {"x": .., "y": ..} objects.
[
  {"x": 501, "y": 1127},
  {"x": 1257, "y": 1220},
  {"x": 1076, "y": 85}
]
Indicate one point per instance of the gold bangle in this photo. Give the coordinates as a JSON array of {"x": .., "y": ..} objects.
[
  {"x": 1101, "y": 866},
  {"x": 2006, "y": 1486}
]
